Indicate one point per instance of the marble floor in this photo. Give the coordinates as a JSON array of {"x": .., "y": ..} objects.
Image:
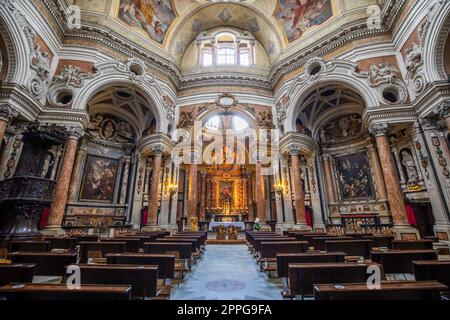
[{"x": 227, "y": 272}]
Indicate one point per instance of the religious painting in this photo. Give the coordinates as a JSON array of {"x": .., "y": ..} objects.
[
  {"x": 296, "y": 16},
  {"x": 355, "y": 177},
  {"x": 153, "y": 16},
  {"x": 99, "y": 179}
]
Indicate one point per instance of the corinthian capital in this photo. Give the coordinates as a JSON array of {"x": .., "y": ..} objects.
[
  {"x": 7, "y": 113},
  {"x": 379, "y": 129},
  {"x": 444, "y": 109},
  {"x": 158, "y": 150},
  {"x": 295, "y": 150},
  {"x": 74, "y": 133}
]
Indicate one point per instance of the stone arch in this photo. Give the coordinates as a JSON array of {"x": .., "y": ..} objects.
[
  {"x": 435, "y": 32},
  {"x": 18, "y": 37},
  {"x": 302, "y": 90},
  {"x": 146, "y": 88}
]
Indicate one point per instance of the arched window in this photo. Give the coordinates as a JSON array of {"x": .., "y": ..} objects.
[
  {"x": 225, "y": 48},
  {"x": 222, "y": 123}
]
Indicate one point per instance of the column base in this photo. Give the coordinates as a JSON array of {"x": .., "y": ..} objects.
[
  {"x": 53, "y": 231},
  {"x": 405, "y": 232},
  {"x": 442, "y": 231}
]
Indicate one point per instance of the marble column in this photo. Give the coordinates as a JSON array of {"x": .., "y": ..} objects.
[
  {"x": 62, "y": 186},
  {"x": 76, "y": 175},
  {"x": 153, "y": 195},
  {"x": 298, "y": 188},
  {"x": 7, "y": 114},
  {"x": 378, "y": 173},
  {"x": 192, "y": 191},
  {"x": 328, "y": 178},
  {"x": 124, "y": 187},
  {"x": 259, "y": 193},
  {"x": 251, "y": 212},
  {"x": 203, "y": 197},
  {"x": 394, "y": 192}
]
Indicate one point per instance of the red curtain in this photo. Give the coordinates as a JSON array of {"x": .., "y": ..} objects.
[
  {"x": 44, "y": 218},
  {"x": 410, "y": 214},
  {"x": 144, "y": 217},
  {"x": 308, "y": 217}
]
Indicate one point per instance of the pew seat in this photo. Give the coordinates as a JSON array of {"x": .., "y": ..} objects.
[
  {"x": 412, "y": 244},
  {"x": 392, "y": 290},
  {"x": 400, "y": 261},
  {"x": 16, "y": 272},
  {"x": 284, "y": 259},
  {"x": 350, "y": 247},
  {"x": 142, "y": 278},
  {"x": 432, "y": 270},
  {"x": 47, "y": 263},
  {"x": 30, "y": 246},
  {"x": 61, "y": 243},
  {"x": 103, "y": 247},
  {"x": 52, "y": 292},
  {"x": 303, "y": 276}
]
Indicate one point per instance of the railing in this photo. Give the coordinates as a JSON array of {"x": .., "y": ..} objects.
[{"x": 27, "y": 189}]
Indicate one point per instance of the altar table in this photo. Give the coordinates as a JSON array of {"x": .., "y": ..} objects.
[{"x": 239, "y": 225}]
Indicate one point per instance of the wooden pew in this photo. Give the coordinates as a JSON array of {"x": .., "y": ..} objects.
[
  {"x": 358, "y": 235},
  {"x": 432, "y": 270},
  {"x": 201, "y": 237},
  {"x": 52, "y": 292},
  {"x": 132, "y": 244},
  {"x": 165, "y": 262},
  {"x": 310, "y": 237},
  {"x": 143, "y": 279},
  {"x": 87, "y": 238},
  {"x": 269, "y": 252},
  {"x": 103, "y": 247},
  {"x": 284, "y": 259},
  {"x": 320, "y": 245},
  {"x": 303, "y": 276},
  {"x": 13, "y": 273},
  {"x": 195, "y": 244},
  {"x": 380, "y": 241},
  {"x": 60, "y": 243},
  {"x": 258, "y": 241},
  {"x": 184, "y": 249},
  {"x": 350, "y": 247},
  {"x": 47, "y": 263},
  {"x": 400, "y": 261},
  {"x": 142, "y": 239},
  {"x": 392, "y": 290},
  {"x": 412, "y": 244},
  {"x": 30, "y": 246}
]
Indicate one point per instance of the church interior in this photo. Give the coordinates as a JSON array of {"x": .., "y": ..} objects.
[{"x": 225, "y": 149}]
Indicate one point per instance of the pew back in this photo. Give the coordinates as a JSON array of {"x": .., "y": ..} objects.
[
  {"x": 432, "y": 270},
  {"x": 400, "y": 261},
  {"x": 284, "y": 259},
  {"x": 47, "y": 263},
  {"x": 16, "y": 273},
  {"x": 30, "y": 246},
  {"x": 103, "y": 247},
  {"x": 165, "y": 262},
  {"x": 183, "y": 248},
  {"x": 270, "y": 249},
  {"x": 351, "y": 247}
]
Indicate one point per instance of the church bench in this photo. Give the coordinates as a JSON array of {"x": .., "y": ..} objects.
[
  {"x": 52, "y": 292},
  {"x": 142, "y": 239},
  {"x": 303, "y": 276},
  {"x": 310, "y": 237},
  {"x": 258, "y": 241},
  {"x": 165, "y": 262},
  {"x": 142, "y": 278},
  {"x": 284, "y": 259},
  {"x": 47, "y": 263},
  {"x": 390, "y": 290},
  {"x": 184, "y": 249},
  {"x": 132, "y": 244},
  {"x": 380, "y": 241},
  {"x": 320, "y": 245},
  {"x": 252, "y": 240},
  {"x": 17, "y": 272},
  {"x": 412, "y": 244},
  {"x": 29, "y": 246},
  {"x": 359, "y": 248},
  {"x": 87, "y": 238},
  {"x": 358, "y": 235},
  {"x": 270, "y": 249},
  {"x": 62, "y": 243},
  {"x": 251, "y": 234},
  {"x": 432, "y": 270},
  {"x": 103, "y": 247},
  {"x": 400, "y": 261},
  {"x": 194, "y": 242},
  {"x": 201, "y": 237}
]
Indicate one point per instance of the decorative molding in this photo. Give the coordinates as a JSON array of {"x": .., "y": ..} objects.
[
  {"x": 7, "y": 113},
  {"x": 379, "y": 129}
]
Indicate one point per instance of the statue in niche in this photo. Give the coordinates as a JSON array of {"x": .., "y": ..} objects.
[
  {"x": 47, "y": 167},
  {"x": 410, "y": 166}
]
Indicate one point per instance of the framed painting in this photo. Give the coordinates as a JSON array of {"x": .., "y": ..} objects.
[
  {"x": 355, "y": 177},
  {"x": 154, "y": 17},
  {"x": 297, "y": 16},
  {"x": 99, "y": 179}
]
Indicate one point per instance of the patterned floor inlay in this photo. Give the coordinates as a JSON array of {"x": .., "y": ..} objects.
[{"x": 227, "y": 272}]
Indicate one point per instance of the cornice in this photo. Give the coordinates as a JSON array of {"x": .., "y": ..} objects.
[
  {"x": 19, "y": 98},
  {"x": 389, "y": 115}
]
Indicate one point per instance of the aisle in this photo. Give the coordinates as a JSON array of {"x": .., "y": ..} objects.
[{"x": 227, "y": 272}]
